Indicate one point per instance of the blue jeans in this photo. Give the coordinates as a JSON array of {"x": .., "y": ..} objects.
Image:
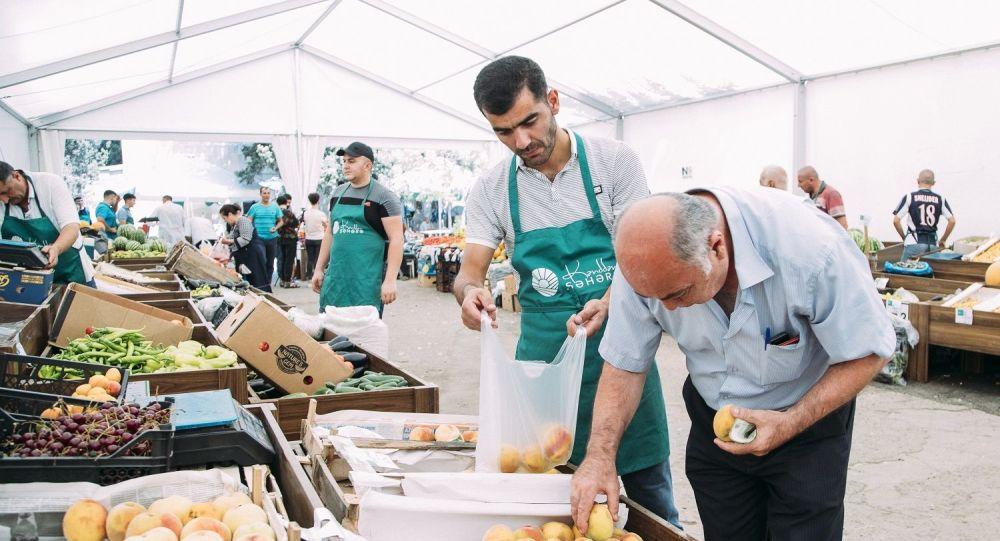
[
  {"x": 653, "y": 488},
  {"x": 913, "y": 250}
]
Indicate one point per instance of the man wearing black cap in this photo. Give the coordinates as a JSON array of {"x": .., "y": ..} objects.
[{"x": 364, "y": 239}]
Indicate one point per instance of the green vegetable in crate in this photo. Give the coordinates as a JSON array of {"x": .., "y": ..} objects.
[
  {"x": 370, "y": 381},
  {"x": 193, "y": 355},
  {"x": 202, "y": 291}
]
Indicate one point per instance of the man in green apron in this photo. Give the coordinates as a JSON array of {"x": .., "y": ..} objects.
[
  {"x": 554, "y": 204},
  {"x": 364, "y": 239},
  {"x": 38, "y": 208}
]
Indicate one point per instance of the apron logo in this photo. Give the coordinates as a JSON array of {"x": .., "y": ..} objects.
[
  {"x": 545, "y": 282},
  {"x": 347, "y": 228},
  {"x": 4, "y": 280},
  {"x": 291, "y": 359},
  {"x": 336, "y": 227},
  {"x": 577, "y": 278}
]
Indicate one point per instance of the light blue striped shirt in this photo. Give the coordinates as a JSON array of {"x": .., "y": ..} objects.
[{"x": 799, "y": 272}]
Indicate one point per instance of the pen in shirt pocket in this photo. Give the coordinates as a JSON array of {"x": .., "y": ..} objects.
[{"x": 767, "y": 337}]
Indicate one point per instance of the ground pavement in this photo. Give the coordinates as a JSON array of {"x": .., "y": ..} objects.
[{"x": 924, "y": 464}]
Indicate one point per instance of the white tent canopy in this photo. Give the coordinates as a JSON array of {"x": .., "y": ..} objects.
[{"x": 400, "y": 73}]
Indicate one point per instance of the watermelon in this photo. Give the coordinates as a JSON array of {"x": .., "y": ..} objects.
[
  {"x": 133, "y": 246},
  {"x": 127, "y": 231},
  {"x": 156, "y": 245},
  {"x": 120, "y": 243},
  {"x": 139, "y": 236}
]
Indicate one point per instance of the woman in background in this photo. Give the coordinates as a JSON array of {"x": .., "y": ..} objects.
[{"x": 246, "y": 247}]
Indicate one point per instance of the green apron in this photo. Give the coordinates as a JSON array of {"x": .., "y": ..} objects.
[
  {"x": 562, "y": 268},
  {"x": 357, "y": 257},
  {"x": 41, "y": 231}
]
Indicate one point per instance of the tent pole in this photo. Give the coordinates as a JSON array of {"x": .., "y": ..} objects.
[{"x": 798, "y": 130}]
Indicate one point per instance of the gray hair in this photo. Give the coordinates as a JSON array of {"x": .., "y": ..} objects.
[
  {"x": 774, "y": 173},
  {"x": 694, "y": 221}
]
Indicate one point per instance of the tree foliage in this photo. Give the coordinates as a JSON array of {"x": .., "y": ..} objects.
[
  {"x": 260, "y": 164},
  {"x": 83, "y": 159}
]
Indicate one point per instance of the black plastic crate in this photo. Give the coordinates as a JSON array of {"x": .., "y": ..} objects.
[
  {"x": 103, "y": 471},
  {"x": 24, "y": 373},
  {"x": 29, "y": 405}
]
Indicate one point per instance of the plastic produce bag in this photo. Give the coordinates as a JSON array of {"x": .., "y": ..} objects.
[
  {"x": 218, "y": 252},
  {"x": 906, "y": 337},
  {"x": 527, "y": 409},
  {"x": 311, "y": 325},
  {"x": 361, "y": 325}
]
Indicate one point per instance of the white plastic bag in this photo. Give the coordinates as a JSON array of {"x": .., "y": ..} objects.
[
  {"x": 527, "y": 409},
  {"x": 309, "y": 324},
  {"x": 219, "y": 252},
  {"x": 361, "y": 325}
]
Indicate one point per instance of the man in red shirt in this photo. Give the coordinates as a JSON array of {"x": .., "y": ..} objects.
[{"x": 824, "y": 196}]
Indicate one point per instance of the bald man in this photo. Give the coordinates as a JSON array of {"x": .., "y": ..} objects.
[
  {"x": 774, "y": 176},
  {"x": 923, "y": 211},
  {"x": 824, "y": 196},
  {"x": 776, "y": 315}
]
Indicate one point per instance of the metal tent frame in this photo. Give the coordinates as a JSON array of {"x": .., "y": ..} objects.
[{"x": 677, "y": 8}]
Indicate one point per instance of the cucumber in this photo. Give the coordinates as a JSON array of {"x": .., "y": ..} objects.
[
  {"x": 355, "y": 357},
  {"x": 344, "y": 389},
  {"x": 323, "y": 391}
]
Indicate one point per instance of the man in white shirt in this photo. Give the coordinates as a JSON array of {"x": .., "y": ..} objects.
[
  {"x": 37, "y": 207},
  {"x": 172, "y": 221},
  {"x": 314, "y": 222}
]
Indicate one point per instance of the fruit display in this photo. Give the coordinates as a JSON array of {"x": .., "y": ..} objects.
[
  {"x": 128, "y": 348},
  {"x": 230, "y": 517},
  {"x": 131, "y": 243},
  {"x": 600, "y": 527},
  {"x": 992, "y": 277},
  {"x": 730, "y": 429},
  {"x": 989, "y": 255},
  {"x": 442, "y": 433},
  {"x": 93, "y": 434},
  {"x": 555, "y": 449},
  {"x": 204, "y": 291}
]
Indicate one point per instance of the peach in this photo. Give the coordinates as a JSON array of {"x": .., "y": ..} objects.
[
  {"x": 207, "y": 524},
  {"x": 533, "y": 460},
  {"x": 204, "y": 535},
  {"x": 259, "y": 529},
  {"x": 421, "y": 433},
  {"x": 84, "y": 521},
  {"x": 558, "y": 444},
  {"x": 557, "y": 531},
  {"x": 114, "y": 388},
  {"x": 119, "y": 517},
  {"x": 113, "y": 374},
  {"x": 228, "y": 501},
  {"x": 51, "y": 413},
  {"x": 178, "y": 505},
  {"x": 207, "y": 509},
  {"x": 723, "y": 422},
  {"x": 600, "y": 527},
  {"x": 98, "y": 380},
  {"x": 143, "y": 522},
  {"x": 528, "y": 533},
  {"x": 83, "y": 389},
  {"x": 498, "y": 533},
  {"x": 254, "y": 537},
  {"x": 630, "y": 537},
  {"x": 510, "y": 459},
  {"x": 247, "y": 513},
  {"x": 447, "y": 433},
  {"x": 159, "y": 534},
  {"x": 470, "y": 436}
]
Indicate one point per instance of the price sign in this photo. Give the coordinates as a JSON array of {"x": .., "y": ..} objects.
[
  {"x": 898, "y": 308},
  {"x": 963, "y": 316},
  {"x": 866, "y": 220}
]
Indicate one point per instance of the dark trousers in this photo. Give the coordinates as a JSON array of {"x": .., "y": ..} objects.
[
  {"x": 312, "y": 252},
  {"x": 270, "y": 252},
  {"x": 286, "y": 263},
  {"x": 796, "y": 492},
  {"x": 653, "y": 488}
]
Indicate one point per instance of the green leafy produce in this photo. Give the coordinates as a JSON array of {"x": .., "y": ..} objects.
[
  {"x": 129, "y": 349},
  {"x": 203, "y": 291},
  {"x": 858, "y": 237}
]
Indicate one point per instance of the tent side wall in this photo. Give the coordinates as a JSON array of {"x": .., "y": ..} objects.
[
  {"x": 14, "y": 146},
  {"x": 867, "y": 133}
]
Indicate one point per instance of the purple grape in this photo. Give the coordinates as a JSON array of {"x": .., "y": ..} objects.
[
  {"x": 126, "y": 437},
  {"x": 77, "y": 417},
  {"x": 36, "y": 452},
  {"x": 95, "y": 445},
  {"x": 75, "y": 441},
  {"x": 56, "y": 447},
  {"x": 30, "y": 444},
  {"x": 72, "y": 451},
  {"x": 29, "y": 435},
  {"x": 111, "y": 448},
  {"x": 17, "y": 438}
]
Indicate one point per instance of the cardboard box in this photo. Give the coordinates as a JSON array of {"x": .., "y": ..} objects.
[
  {"x": 83, "y": 307},
  {"x": 24, "y": 286},
  {"x": 259, "y": 332},
  {"x": 26, "y": 325},
  {"x": 509, "y": 295}
]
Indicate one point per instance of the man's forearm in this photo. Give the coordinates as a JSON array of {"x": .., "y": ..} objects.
[
  {"x": 324, "y": 253},
  {"x": 947, "y": 230},
  {"x": 618, "y": 394},
  {"x": 841, "y": 383},
  {"x": 67, "y": 236},
  {"x": 899, "y": 228},
  {"x": 394, "y": 259},
  {"x": 462, "y": 285}
]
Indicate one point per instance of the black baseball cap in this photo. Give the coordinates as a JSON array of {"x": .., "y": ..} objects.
[{"x": 356, "y": 149}]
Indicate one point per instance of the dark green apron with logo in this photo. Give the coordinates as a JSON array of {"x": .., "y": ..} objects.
[
  {"x": 41, "y": 231},
  {"x": 357, "y": 257},
  {"x": 561, "y": 268}
]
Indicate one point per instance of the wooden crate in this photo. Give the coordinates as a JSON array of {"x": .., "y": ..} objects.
[
  {"x": 192, "y": 264},
  {"x": 340, "y": 499},
  {"x": 936, "y": 326},
  {"x": 964, "y": 271},
  {"x": 182, "y": 307},
  {"x": 149, "y": 261},
  {"x": 271, "y": 298},
  {"x": 419, "y": 397},
  {"x": 919, "y": 284},
  {"x": 296, "y": 492},
  {"x": 33, "y": 335}
]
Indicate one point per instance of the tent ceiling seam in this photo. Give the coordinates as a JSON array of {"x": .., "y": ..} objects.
[
  {"x": 150, "y": 42},
  {"x": 173, "y": 53},
  {"x": 319, "y": 20}
]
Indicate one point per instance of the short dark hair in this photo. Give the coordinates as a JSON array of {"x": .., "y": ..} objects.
[
  {"x": 262, "y": 188},
  {"x": 282, "y": 199},
  {"x": 167, "y": 198},
  {"x": 499, "y": 83},
  {"x": 6, "y": 170},
  {"x": 226, "y": 210},
  {"x": 109, "y": 192},
  {"x": 313, "y": 198},
  {"x": 128, "y": 196}
]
